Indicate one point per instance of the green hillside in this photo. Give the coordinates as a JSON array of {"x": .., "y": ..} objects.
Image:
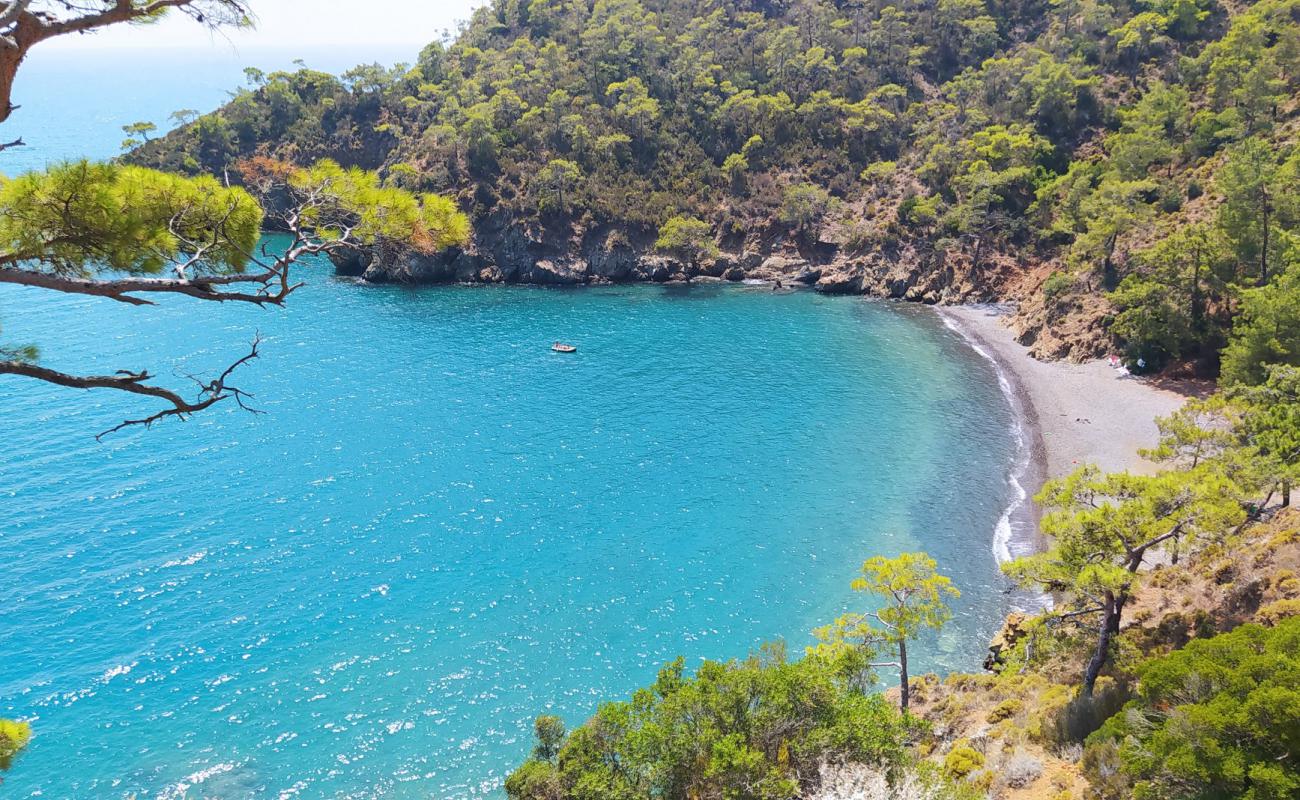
[{"x": 1124, "y": 170}]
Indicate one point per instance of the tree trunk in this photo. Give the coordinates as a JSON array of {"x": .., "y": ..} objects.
[
  {"x": 10, "y": 59},
  {"x": 1263, "y": 249},
  {"x": 1108, "y": 276},
  {"x": 1286, "y": 493},
  {"x": 1109, "y": 627},
  {"x": 1197, "y": 309},
  {"x": 903, "y": 695}
]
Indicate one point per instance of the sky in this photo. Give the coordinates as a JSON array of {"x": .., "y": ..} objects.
[{"x": 306, "y": 24}]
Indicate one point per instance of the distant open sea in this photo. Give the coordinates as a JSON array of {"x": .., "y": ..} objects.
[{"x": 440, "y": 528}]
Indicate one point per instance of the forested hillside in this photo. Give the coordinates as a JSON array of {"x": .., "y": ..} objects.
[{"x": 1123, "y": 169}]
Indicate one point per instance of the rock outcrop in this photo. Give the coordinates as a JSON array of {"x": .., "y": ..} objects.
[
  {"x": 1012, "y": 631},
  {"x": 505, "y": 252}
]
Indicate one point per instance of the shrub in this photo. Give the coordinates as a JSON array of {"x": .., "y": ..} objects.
[
  {"x": 878, "y": 172},
  {"x": 688, "y": 238},
  {"x": 1278, "y": 610},
  {"x": 735, "y": 167},
  {"x": 918, "y": 210},
  {"x": 962, "y": 760},
  {"x": 1056, "y": 285},
  {"x": 804, "y": 206},
  {"x": 1021, "y": 770},
  {"x": 1102, "y": 769},
  {"x": 1005, "y": 710},
  {"x": 1216, "y": 719},
  {"x": 13, "y": 738},
  {"x": 1073, "y": 721},
  {"x": 534, "y": 780}
]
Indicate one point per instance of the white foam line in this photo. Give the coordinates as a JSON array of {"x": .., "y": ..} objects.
[{"x": 1002, "y": 532}]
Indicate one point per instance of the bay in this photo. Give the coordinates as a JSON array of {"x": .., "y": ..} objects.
[{"x": 439, "y": 528}]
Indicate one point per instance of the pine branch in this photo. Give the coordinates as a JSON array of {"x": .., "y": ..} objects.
[{"x": 210, "y": 392}]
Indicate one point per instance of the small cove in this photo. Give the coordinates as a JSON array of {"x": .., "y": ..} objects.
[{"x": 441, "y": 528}]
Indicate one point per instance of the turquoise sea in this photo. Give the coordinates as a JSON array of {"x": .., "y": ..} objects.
[{"x": 439, "y": 528}]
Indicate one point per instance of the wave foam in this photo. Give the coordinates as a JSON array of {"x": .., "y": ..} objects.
[{"x": 1004, "y": 532}]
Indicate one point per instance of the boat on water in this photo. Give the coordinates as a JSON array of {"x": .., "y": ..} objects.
[{"x": 561, "y": 347}]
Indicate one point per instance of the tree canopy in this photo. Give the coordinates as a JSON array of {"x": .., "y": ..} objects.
[
  {"x": 914, "y": 599},
  {"x": 1104, "y": 527},
  {"x": 130, "y": 234},
  {"x": 756, "y": 729},
  {"x": 1216, "y": 719}
]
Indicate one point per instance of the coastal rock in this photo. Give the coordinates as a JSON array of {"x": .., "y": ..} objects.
[
  {"x": 717, "y": 267},
  {"x": 468, "y": 267},
  {"x": 780, "y": 266},
  {"x": 1012, "y": 631},
  {"x": 505, "y": 251},
  {"x": 409, "y": 266},
  {"x": 659, "y": 269},
  {"x": 514, "y": 252},
  {"x": 351, "y": 262},
  {"x": 610, "y": 258},
  {"x": 548, "y": 272},
  {"x": 842, "y": 280}
]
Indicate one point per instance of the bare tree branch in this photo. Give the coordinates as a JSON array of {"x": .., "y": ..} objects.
[
  {"x": 196, "y": 247},
  {"x": 210, "y": 392},
  {"x": 11, "y": 11},
  {"x": 22, "y": 27},
  {"x": 203, "y": 288}
]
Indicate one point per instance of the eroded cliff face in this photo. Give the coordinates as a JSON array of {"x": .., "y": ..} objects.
[{"x": 504, "y": 251}]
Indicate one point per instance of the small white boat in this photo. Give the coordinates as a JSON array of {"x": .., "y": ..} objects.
[{"x": 561, "y": 347}]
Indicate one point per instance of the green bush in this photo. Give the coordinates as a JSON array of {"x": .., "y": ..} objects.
[
  {"x": 13, "y": 738},
  {"x": 688, "y": 238},
  {"x": 962, "y": 760},
  {"x": 804, "y": 205},
  {"x": 1218, "y": 719},
  {"x": 764, "y": 723},
  {"x": 1005, "y": 710},
  {"x": 1056, "y": 285}
]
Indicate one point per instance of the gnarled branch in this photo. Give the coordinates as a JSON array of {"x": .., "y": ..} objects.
[
  {"x": 203, "y": 288},
  {"x": 210, "y": 392},
  {"x": 23, "y": 27}
]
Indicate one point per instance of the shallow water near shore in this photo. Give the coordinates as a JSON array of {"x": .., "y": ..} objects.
[{"x": 439, "y": 528}]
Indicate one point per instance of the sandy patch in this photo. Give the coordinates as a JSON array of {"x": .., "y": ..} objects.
[{"x": 1083, "y": 413}]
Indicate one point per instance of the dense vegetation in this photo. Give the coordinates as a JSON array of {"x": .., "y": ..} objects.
[
  {"x": 767, "y": 728},
  {"x": 1220, "y": 718},
  {"x": 758, "y": 728},
  {"x": 1137, "y": 155}
]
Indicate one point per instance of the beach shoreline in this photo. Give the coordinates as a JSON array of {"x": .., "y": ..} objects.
[
  {"x": 1017, "y": 532},
  {"x": 1075, "y": 414}
]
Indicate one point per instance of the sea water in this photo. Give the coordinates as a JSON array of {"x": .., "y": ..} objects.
[{"x": 437, "y": 528}]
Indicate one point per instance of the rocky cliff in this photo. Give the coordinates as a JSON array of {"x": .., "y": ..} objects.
[{"x": 505, "y": 250}]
